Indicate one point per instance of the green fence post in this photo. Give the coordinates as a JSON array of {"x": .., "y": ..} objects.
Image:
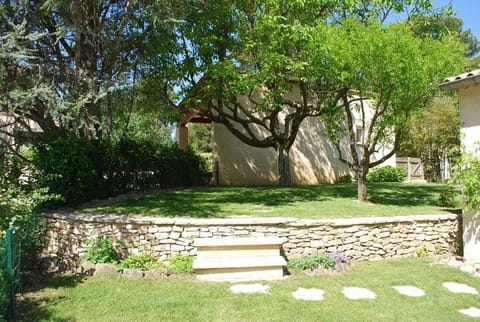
[{"x": 10, "y": 277}]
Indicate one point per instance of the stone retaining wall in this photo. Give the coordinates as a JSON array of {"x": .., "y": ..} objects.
[{"x": 358, "y": 238}]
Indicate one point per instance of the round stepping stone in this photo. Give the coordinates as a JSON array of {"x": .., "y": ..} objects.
[
  {"x": 409, "y": 290},
  {"x": 471, "y": 312},
  {"x": 249, "y": 288},
  {"x": 358, "y": 293},
  {"x": 460, "y": 288},
  {"x": 308, "y": 294}
]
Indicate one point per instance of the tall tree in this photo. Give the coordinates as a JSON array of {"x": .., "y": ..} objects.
[
  {"x": 87, "y": 50},
  {"x": 392, "y": 69},
  {"x": 252, "y": 60}
]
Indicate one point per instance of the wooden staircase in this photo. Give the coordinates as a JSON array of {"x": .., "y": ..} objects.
[{"x": 239, "y": 259}]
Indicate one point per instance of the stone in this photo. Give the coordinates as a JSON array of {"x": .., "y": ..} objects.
[
  {"x": 409, "y": 290},
  {"x": 86, "y": 268},
  {"x": 132, "y": 273},
  {"x": 155, "y": 273},
  {"x": 358, "y": 293},
  {"x": 473, "y": 312},
  {"x": 460, "y": 288},
  {"x": 102, "y": 268},
  {"x": 308, "y": 294},
  {"x": 249, "y": 288}
]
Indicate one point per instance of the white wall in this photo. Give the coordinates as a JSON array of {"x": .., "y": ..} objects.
[{"x": 469, "y": 99}]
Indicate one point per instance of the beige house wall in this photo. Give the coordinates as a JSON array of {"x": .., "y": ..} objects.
[
  {"x": 313, "y": 158},
  {"x": 469, "y": 99}
]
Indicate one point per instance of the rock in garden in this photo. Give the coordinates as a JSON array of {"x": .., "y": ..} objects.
[
  {"x": 132, "y": 273},
  {"x": 249, "y": 288},
  {"x": 102, "y": 268},
  {"x": 308, "y": 294},
  {"x": 358, "y": 293},
  {"x": 460, "y": 288},
  {"x": 87, "y": 268},
  {"x": 156, "y": 273}
]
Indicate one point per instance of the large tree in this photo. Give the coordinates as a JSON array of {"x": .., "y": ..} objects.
[
  {"x": 384, "y": 74},
  {"x": 83, "y": 52},
  {"x": 253, "y": 64}
]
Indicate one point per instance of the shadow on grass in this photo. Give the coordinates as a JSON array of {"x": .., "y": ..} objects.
[
  {"x": 214, "y": 202},
  {"x": 38, "y": 307}
]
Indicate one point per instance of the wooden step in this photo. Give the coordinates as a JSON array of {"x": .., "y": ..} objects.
[{"x": 239, "y": 259}]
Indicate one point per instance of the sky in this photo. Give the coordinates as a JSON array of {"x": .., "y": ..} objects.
[{"x": 468, "y": 10}]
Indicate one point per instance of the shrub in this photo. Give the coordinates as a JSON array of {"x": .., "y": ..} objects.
[
  {"x": 447, "y": 198},
  {"x": 467, "y": 173},
  {"x": 386, "y": 174},
  {"x": 145, "y": 262},
  {"x": 347, "y": 178},
  {"x": 80, "y": 169},
  {"x": 20, "y": 210},
  {"x": 101, "y": 250},
  {"x": 312, "y": 262},
  {"x": 180, "y": 264}
]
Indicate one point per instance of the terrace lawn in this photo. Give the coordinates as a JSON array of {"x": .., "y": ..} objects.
[
  {"x": 319, "y": 201},
  {"x": 114, "y": 298}
]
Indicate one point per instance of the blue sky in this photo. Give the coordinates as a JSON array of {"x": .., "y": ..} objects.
[{"x": 468, "y": 10}]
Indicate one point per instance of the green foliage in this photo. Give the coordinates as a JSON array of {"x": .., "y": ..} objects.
[
  {"x": 345, "y": 179},
  {"x": 143, "y": 261},
  {"x": 448, "y": 198},
  {"x": 200, "y": 137},
  {"x": 433, "y": 135},
  {"x": 180, "y": 264},
  {"x": 101, "y": 250},
  {"x": 467, "y": 173},
  {"x": 79, "y": 169},
  {"x": 312, "y": 262},
  {"x": 20, "y": 210},
  {"x": 386, "y": 174}
]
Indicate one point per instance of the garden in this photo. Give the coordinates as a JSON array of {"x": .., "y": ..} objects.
[
  {"x": 182, "y": 298},
  {"x": 92, "y": 92}
]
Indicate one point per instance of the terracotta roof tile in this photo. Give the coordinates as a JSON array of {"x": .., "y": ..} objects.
[{"x": 472, "y": 73}]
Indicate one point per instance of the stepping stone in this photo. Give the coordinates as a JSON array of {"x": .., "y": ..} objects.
[
  {"x": 460, "y": 288},
  {"x": 358, "y": 293},
  {"x": 409, "y": 290},
  {"x": 308, "y": 294},
  {"x": 249, "y": 288},
  {"x": 471, "y": 312}
]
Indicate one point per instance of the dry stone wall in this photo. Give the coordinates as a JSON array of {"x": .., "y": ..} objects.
[{"x": 358, "y": 238}]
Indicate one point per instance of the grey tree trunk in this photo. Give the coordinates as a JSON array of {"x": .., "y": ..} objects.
[{"x": 285, "y": 176}]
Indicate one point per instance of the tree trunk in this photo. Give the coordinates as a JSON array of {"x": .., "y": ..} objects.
[
  {"x": 362, "y": 185},
  {"x": 285, "y": 177}
]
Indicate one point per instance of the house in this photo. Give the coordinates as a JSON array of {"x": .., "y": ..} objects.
[
  {"x": 313, "y": 158},
  {"x": 14, "y": 133},
  {"x": 467, "y": 86}
]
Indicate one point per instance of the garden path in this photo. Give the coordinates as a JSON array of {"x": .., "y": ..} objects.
[{"x": 360, "y": 293}]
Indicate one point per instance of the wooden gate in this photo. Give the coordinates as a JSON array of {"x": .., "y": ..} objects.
[{"x": 413, "y": 167}]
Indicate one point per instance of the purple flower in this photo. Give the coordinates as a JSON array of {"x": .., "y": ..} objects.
[{"x": 338, "y": 257}]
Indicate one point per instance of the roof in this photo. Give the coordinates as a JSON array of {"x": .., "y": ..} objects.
[{"x": 462, "y": 80}]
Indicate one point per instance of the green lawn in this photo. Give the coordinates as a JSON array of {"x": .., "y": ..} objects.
[
  {"x": 113, "y": 298},
  {"x": 320, "y": 201}
]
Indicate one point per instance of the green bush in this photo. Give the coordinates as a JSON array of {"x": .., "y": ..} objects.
[
  {"x": 347, "y": 178},
  {"x": 447, "y": 198},
  {"x": 180, "y": 264},
  {"x": 79, "y": 169},
  {"x": 467, "y": 174},
  {"x": 101, "y": 250},
  {"x": 20, "y": 210},
  {"x": 386, "y": 174},
  {"x": 145, "y": 262},
  {"x": 312, "y": 262}
]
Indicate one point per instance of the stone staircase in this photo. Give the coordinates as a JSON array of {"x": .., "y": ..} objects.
[{"x": 239, "y": 259}]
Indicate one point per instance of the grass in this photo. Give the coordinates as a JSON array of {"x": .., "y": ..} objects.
[
  {"x": 319, "y": 201},
  {"x": 113, "y": 298}
]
